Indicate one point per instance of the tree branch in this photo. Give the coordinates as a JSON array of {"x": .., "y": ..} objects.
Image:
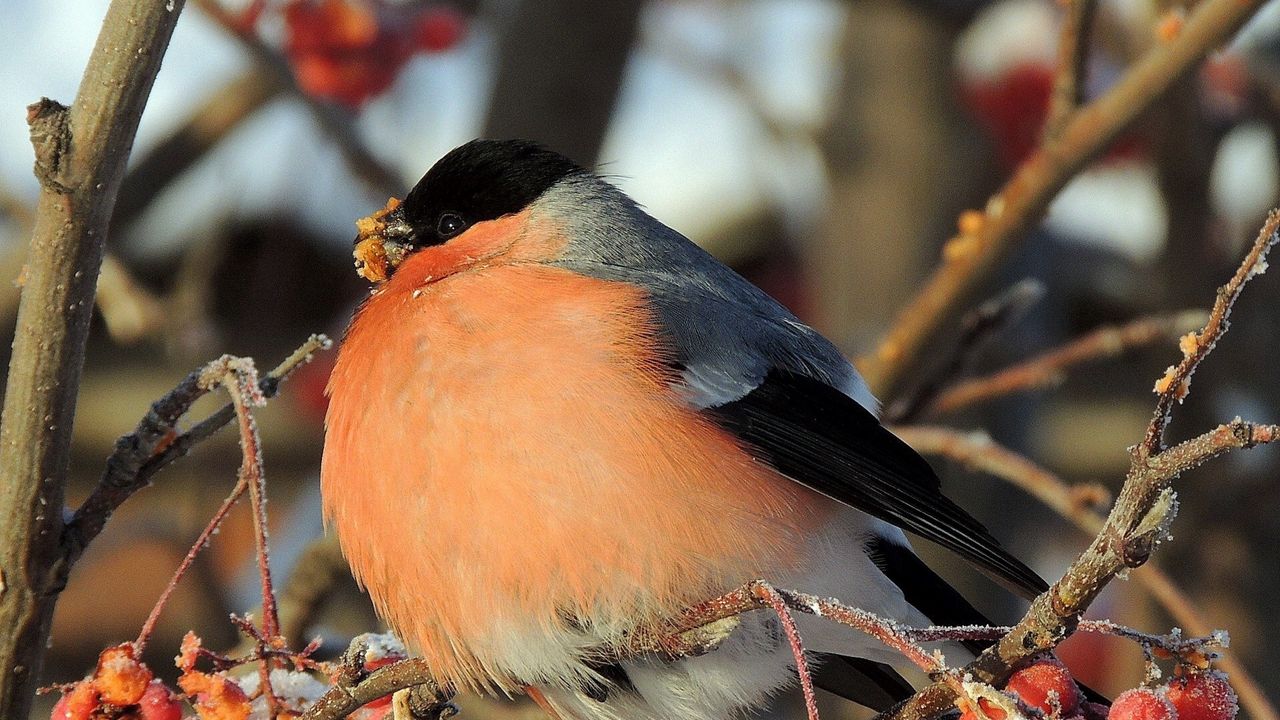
[
  {"x": 80, "y": 160},
  {"x": 977, "y": 451},
  {"x": 220, "y": 113},
  {"x": 353, "y": 686},
  {"x": 1019, "y": 205},
  {"x": 1073, "y": 62}
]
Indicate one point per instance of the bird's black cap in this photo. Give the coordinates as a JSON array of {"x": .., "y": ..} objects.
[{"x": 481, "y": 180}]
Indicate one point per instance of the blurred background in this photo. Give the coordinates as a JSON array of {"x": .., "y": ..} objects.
[{"x": 822, "y": 148}]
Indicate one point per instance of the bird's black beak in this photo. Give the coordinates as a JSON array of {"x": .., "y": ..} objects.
[{"x": 382, "y": 241}]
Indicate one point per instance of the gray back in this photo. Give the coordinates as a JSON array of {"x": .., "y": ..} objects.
[{"x": 726, "y": 332}]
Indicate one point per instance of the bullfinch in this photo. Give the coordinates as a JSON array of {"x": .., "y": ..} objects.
[{"x": 556, "y": 422}]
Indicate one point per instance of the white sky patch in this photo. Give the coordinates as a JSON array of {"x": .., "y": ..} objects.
[
  {"x": 1117, "y": 206},
  {"x": 1243, "y": 183},
  {"x": 1007, "y": 34}
]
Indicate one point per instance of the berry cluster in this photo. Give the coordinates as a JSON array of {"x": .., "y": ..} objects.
[
  {"x": 1199, "y": 696},
  {"x": 124, "y": 688},
  {"x": 350, "y": 51},
  {"x": 1046, "y": 687},
  {"x": 121, "y": 688}
]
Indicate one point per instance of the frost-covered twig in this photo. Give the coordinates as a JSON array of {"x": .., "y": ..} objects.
[
  {"x": 156, "y": 442},
  {"x": 354, "y": 686},
  {"x": 776, "y": 600},
  {"x": 202, "y": 541},
  {"x": 240, "y": 379},
  {"x": 682, "y": 638},
  {"x": 1176, "y": 382}
]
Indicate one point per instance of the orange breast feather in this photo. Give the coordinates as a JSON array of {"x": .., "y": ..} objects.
[{"x": 503, "y": 452}]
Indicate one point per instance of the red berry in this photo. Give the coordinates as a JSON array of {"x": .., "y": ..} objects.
[
  {"x": 1142, "y": 704},
  {"x": 121, "y": 679},
  {"x": 78, "y": 703},
  {"x": 1203, "y": 696},
  {"x": 1013, "y": 108},
  {"x": 158, "y": 703},
  {"x": 370, "y": 666},
  {"x": 342, "y": 50},
  {"x": 988, "y": 708},
  {"x": 217, "y": 697},
  {"x": 438, "y": 29},
  {"x": 1038, "y": 682}
]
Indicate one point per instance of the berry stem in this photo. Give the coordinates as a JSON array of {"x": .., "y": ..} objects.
[{"x": 202, "y": 541}]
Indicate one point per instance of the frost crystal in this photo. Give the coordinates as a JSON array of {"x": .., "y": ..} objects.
[
  {"x": 297, "y": 690},
  {"x": 382, "y": 646},
  {"x": 1258, "y": 268}
]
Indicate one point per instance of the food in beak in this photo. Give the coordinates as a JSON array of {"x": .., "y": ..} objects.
[{"x": 374, "y": 259}]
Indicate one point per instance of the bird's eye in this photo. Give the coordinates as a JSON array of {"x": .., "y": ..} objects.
[{"x": 450, "y": 224}]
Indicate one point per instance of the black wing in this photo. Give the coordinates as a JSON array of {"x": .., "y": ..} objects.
[
  {"x": 865, "y": 682},
  {"x": 819, "y": 437}
]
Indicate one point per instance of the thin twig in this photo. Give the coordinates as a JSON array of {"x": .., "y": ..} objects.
[
  {"x": 1175, "y": 642},
  {"x": 891, "y": 634},
  {"x": 129, "y": 310},
  {"x": 1049, "y": 369},
  {"x": 774, "y": 599},
  {"x": 670, "y": 642},
  {"x": 1019, "y": 205},
  {"x": 80, "y": 155},
  {"x": 300, "y": 659},
  {"x": 978, "y": 327},
  {"x": 1073, "y": 62},
  {"x": 1176, "y": 383},
  {"x": 240, "y": 379},
  {"x": 977, "y": 451},
  {"x": 202, "y": 541}
]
